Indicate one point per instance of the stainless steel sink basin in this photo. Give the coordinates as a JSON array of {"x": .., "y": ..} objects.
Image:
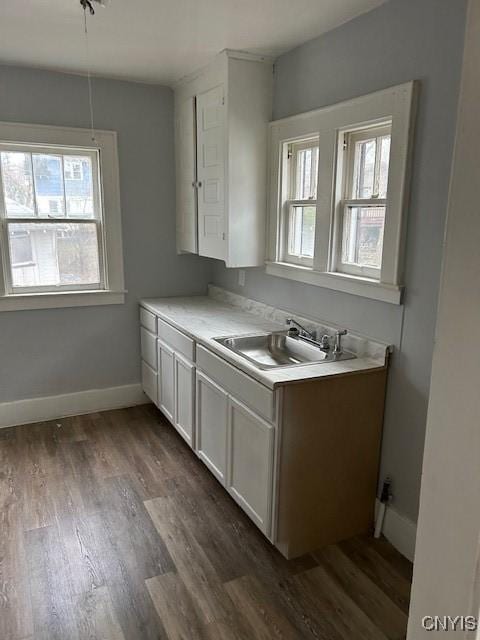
[{"x": 275, "y": 350}]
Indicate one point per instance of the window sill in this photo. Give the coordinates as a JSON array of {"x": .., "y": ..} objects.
[
  {"x": 62, "y": 299},
  {"x": 354, "y": 285}
]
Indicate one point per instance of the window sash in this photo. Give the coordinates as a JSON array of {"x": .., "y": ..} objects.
[
  {"x": 347, "y": 267},
  {"x": 345, "y": 172},
  {"x": 290, "y": 151},
  {"x": 302, "y": 260},
  {"x": 97, "y": 219},
  {"x": 351, "y": 138}
]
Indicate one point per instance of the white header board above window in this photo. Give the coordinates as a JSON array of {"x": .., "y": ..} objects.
[{"x": 344, "y": 228}]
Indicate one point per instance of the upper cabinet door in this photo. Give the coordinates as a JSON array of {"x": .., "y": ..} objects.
[
  {"x": 185, "y": 159},
  {"x": 211, "y": 173}
]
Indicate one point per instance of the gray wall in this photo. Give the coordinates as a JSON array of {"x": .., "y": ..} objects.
[
  {"x": 59, "y": 351},
  {"x": 399, "y": 41}
]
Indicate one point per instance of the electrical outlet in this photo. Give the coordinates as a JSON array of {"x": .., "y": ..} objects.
[{"x": 241, "y": 277}]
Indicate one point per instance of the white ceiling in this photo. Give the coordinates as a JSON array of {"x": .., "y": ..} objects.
[{"x": 161, "y": 40}]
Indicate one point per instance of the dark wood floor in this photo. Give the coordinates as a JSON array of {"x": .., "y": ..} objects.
[{"x": 112, "y": 529}]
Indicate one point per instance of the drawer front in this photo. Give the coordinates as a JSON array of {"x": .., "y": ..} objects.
[
  {"x": 148, "y": 320},
  {"x": 241, "y": 386},
  {"x": 148, "y": 348},
  {"x": 150, "y": 382},
  {"x": 177, "y": 340}
]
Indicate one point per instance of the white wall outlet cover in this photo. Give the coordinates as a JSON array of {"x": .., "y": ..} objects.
[{"x": 241, "y": 277}]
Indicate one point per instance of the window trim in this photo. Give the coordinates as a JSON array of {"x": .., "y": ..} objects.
[
  {"x": 395, "y": 104},
  {"x": 105, "y": 144}
]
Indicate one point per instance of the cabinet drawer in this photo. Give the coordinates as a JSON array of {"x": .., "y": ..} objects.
[
  {"x": 148, "y": 320},
  {"x": 177, "y": 340},
  {"x": 241, "y": 386},
  {"x": 148, "y": 347},
  {"x": 150, "y": 382}
]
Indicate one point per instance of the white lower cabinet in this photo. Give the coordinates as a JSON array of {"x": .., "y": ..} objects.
[
  {"x": 166, "y": 380},
  {"x": 149, "y": 382},
  {"x": 211, "y": 426},
  {"x": 250, "y": 463},
  {"x": 184, "y": 390}
]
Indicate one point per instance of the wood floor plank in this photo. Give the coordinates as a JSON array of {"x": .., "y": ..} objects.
[
  {"x": 96, "y": 618},
  {"x": 330, "y": 601},
  {"x": 52, "y": 604},
  {"x": 381, "y": 572},
  {"x": 176, "y": 607},
  {"x": 384, "y": 613},
  {"x": 191, "y": 562},
  {"x": 132, "y": 532},
  {"x": 15, "y": 604},
  {"x": 265, "y": 621}
]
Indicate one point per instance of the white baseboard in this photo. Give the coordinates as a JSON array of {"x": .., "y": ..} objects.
[
  {"x": 70, "y": 404},
  {"x": 400, "y": 531}
]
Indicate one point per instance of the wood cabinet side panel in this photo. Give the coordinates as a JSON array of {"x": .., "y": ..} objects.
[{"x": 329, "y": 458}]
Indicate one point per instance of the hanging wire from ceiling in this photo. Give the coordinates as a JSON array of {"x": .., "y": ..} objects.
[{"x": 87, "y": 5}]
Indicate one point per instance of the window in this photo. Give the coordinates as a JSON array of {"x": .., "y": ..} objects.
[
  {"x": 299, "y": 206},
  {"x": 362, "y": 210},
  {"x": 338, "y": 194},
  {"x": 59, "y": 222}
]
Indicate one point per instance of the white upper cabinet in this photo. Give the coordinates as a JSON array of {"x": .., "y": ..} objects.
[
  {"x": 185, "y": 128},
  {"x": 221, "y": 117},
  {"x": 211, "y": 173}
]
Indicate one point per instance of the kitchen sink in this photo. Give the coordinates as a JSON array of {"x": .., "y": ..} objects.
[{"x": 275, "y": 350}]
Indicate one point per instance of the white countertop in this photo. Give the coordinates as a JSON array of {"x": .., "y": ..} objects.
[{"x": 203, "y": 318}]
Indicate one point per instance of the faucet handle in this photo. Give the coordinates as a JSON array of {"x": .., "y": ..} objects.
[{"x": 325, "y": 342}]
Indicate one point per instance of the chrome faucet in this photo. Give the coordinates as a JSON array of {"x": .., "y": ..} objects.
[{"x": 303, "y": 332}]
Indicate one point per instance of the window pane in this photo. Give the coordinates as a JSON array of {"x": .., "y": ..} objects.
[
  {"x": 62, "y": 254},
  {"x": 21, "y": 251},
  {"x": 302, "y": 231},
  {"x": 384, "y": 150},
  {"x": 362, "y": 240},
  {"x": 364, "y": 172},
  {"x": 78, "y": 186},
  {"x": 17, "y": 184},
  {"x": 306, "y": 173},
  {"x": 48, "y": 184}
]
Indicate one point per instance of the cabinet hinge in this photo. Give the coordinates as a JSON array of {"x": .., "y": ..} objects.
[
  {"x": 289, "y": 153},
  {"x": 345, "y": 143}
]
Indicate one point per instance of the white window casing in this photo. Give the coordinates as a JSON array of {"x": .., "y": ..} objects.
[
  {"x": 329, "y": 124},
  {"x": 102, "y": 152}
]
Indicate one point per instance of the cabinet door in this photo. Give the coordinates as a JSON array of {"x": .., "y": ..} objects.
[
  {"x": 250, "y": 463},
  {"x": 184, "y": 398},
  {"x": 211, "y": 173},
  {"x": 150, "y": 382},
  {"x": 166, "y": 383},
  {"x": 211, "y": 426},
  {"x": 185, "y": 161}
]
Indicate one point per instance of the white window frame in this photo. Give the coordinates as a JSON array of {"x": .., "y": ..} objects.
[
  {"x": 103, "y": 151},
  {"x": 289, "y": 153},
  {"x": 347, "y": 158},
  {"x": 393, "y": 105}
]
